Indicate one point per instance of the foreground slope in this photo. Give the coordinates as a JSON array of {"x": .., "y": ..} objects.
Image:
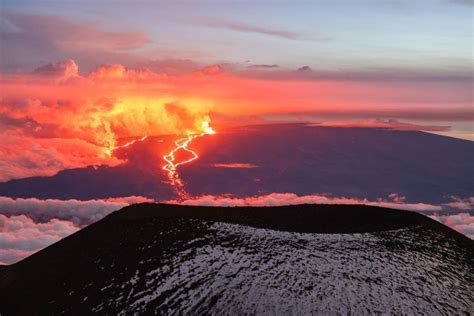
[{"x": 151, "y": 258}]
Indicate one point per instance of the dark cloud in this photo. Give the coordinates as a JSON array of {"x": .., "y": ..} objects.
[
  {"x": 66, "y": 68},
  {"x": 304, "y": 68},
  {"x": 247, "y": 28},
  {"x": 32, "y": 39},
  {"x": 374, "y": 74},
  {"x": 265, "y": 66},
  {"x": 455, "y": 113}
]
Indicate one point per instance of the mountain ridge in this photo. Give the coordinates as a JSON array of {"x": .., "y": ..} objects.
[{"x": 153, "y": 258}]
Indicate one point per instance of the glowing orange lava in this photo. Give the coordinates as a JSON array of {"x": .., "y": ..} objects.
[
  {"x": 110, "y": 151},
  {"x": 170, "y": 159}
]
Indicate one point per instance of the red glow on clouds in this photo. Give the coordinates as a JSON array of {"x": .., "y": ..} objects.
[{"x": 58, "y": 117}]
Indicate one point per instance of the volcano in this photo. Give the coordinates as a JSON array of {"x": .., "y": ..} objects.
[
  {"x": 352, "y": 162},
  {"x": 324, "y": 259}
]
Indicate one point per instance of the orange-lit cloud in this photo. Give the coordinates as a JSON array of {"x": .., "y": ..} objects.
[
  {"x": 58, "y": 117},
  {"x": 386, "y": 124}
]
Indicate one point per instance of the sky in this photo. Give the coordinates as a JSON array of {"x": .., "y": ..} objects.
[
  {"x": 78, "y": 79},
  {"x": 333, "y": 60}
]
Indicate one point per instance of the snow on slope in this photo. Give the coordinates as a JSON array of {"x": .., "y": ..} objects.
[{"x": 239, "y": 269}]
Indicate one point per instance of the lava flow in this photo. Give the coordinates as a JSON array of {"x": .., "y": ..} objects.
[
  {"x": 171, "y": 165},
  {"x": 110, "y": 151}
]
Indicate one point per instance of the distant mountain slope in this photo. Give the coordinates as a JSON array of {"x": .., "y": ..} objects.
[
  {"x": 352, "y": 162},
  {"x": 155, "y": 258}
]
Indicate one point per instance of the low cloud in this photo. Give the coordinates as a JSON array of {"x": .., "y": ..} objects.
[
  {"x": 20, "y": 236},
  {"x": 461, "y": 204},
  {"x": 387, "y": 124},
  {"x": 376, "y": 74},
  {"x": 78, "y": 212},
  {"x": 264, "y": 66},
  {"x": 29, "y": 225},
  {"x": 278, "y": 199},
  {"x": 462, "y": 222}
]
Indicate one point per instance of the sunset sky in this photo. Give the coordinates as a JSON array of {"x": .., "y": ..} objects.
[
  {"x": 119, "y": 69},
  {"x": 78, "y": 79}
]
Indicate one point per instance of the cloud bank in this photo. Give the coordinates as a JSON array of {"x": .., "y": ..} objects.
[
  {"x": 278, "y": 199},
  {"x": 29, "y": 225},
  {"x": 462, "y": 222},
  {"x": 78, "y": 212},
  {"x": 386, "y": 124},
  {"x": 21, "y": 236}
]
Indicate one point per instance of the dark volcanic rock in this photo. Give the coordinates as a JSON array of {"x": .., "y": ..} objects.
[
  {"x": 166, "y": 259},
  {"x": 351, "y": 162}
]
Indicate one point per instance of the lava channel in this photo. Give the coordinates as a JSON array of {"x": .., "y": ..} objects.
[{"x": 171, "y": 165}]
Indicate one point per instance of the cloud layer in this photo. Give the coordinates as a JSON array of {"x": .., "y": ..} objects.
[
  {"x": 20, "y": 236},
  {"x": 277, "y": 199},
  {"x": 29, "y": 225},
  {"x": 78, "y": 212},
  {"x": 462, "y": 222},
  {"x": 386, "y": 124}
]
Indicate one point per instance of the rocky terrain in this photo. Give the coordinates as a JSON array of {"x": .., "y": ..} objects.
[{"x": 325, "y": 259}]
